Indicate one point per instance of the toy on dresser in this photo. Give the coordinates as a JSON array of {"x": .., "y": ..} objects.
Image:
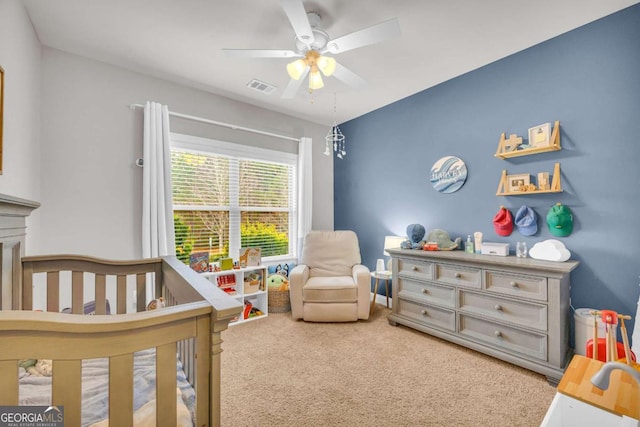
[
  {"x": 437, "y": 240},
  {"x": 415, "y": 235},
  {"x": 441, "y": 239}
]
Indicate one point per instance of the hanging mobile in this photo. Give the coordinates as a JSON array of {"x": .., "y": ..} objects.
[{"x": 335, "y": 137}]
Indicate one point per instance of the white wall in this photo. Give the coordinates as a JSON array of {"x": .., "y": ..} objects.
[
  {"x": 91, "y": 188},
  {"x": 20, "y": 57}
]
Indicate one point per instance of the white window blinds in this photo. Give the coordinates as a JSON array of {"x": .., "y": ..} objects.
[{"x": 228, "y": 196}]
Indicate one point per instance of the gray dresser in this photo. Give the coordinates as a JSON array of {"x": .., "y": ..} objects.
[{"x": 514, "y": 309}]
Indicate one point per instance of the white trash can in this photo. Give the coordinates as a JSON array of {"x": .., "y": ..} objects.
[{"x": 583, "y": 321}]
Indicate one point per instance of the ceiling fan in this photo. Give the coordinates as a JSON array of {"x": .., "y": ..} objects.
[{"x": 313, "y": 48}]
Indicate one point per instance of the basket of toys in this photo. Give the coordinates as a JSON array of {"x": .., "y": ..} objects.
[
  {"x": 279, "y": 301},
  {"x": 252, "y": 283}
]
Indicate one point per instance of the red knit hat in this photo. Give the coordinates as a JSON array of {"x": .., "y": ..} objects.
[{"x": 503, "y": 222}]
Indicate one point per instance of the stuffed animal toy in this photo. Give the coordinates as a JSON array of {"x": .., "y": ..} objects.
[
  {"x": 156, "y": 304},
  {"x": 278, "y": 282},
  {"x": 441, "y": 237},
  {"x": 415, "y": 233},
  {"x": 37, "y": 368},
  {"x": 283, "y": 269}
]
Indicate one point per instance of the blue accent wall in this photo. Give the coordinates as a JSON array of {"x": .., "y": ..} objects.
[{"x": 589, "y": 80}]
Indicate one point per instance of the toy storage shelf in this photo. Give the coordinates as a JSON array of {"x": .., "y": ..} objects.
[
  {"x": 503, "y": 187},
  {"x": 247, "y": 285},
  {"x": 554, "y": 145}
]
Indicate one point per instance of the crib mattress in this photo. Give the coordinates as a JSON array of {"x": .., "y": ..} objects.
[{"x": 36, "y": 390}]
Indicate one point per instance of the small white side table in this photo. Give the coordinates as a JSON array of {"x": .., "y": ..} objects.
[{"x": 380, "y": 275}]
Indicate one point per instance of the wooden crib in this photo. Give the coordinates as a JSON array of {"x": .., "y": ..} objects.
[{"x": 188, "y": 329}]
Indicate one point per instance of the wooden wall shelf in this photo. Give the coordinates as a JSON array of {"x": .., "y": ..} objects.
[
  {"x": 503, "y": 144},
  {"x": 503, "y": 187}
]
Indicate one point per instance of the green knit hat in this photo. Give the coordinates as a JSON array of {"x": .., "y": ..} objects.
[{"x": 560, "y": 220}]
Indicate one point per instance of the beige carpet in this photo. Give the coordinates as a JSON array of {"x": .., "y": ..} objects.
[{"x": 279, "y": 372}]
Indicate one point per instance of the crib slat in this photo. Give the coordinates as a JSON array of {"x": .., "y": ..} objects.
[
  {"x": 204, "y": 375},
  {"x": 141, "y": 292},
  {"x": 166, "y": 414},
  {"x": 9, "y": 382},
  {"x": 66, "y": 389},
  {"x": 17, "y": 272},
  {"x": 121, "y": 390},
  {"x": 122, "y": 294},
  {"x": 77, "y": 292},
  {"x": 53, "y": 291},
  {"x": 27, "y": 287},
  {"x": 157, "y": 280},
  {"x": 101, "y": 294}
]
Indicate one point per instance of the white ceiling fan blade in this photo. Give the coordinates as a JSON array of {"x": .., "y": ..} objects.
[
  {"x": 298, "y": 19},
  {"x": 347, "y": 76},
  {"x": 260, "y": 53},
  {"x": 293, "y": 85},
  {"x": 370, "y": 35}
]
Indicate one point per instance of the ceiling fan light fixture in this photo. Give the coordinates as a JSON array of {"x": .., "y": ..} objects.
[
  {"x": 296, "y": 68},
  {"x": 327, "y": 65},
  {"x": 310, "y": 40},
  {"x": 315, "y": 80}
]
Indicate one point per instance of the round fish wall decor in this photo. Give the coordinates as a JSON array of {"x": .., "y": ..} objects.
[{"x": 448, "y": 174}]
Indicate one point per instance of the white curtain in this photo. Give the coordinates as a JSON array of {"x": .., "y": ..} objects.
[
  {"x": 157, "y": 202},
  {"x": 305, "y": 191}
]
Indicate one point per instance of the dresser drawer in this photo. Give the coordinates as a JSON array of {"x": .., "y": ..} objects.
[
  {"x": 429, "y": 292},
  {"x": 504, "y": 337},
  {"x": 520, "y": 313},
  {"x": 427, "y": 314},
  {"x": 452, "y": 274},
  {"x": 416, "y": 269},
  {"x": 533, "y": 287}
]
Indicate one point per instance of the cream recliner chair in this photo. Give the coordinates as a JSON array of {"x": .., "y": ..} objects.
[{"x": 330, "y": 284}]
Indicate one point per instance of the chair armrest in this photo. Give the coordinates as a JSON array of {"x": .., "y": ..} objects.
[
  {"x": 362, "y": 277},
  {"x": 298, "y": 276},
  {"x": 361, "y": 273}
]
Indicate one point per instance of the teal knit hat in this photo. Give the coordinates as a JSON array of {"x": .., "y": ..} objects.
[{"x": 560, "y": 220}]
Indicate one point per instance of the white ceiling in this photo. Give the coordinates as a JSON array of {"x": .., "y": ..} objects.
[{"x": 182, "y": 41}]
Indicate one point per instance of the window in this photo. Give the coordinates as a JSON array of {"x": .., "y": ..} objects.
[{"x": 227, "y": 196}]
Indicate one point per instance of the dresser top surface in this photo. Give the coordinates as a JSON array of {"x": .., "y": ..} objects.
[{"x": 487, "y": 260}]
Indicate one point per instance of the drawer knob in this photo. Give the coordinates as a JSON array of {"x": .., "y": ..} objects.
[
  {"x": 424, "y": 312},
  {"x": 415, "y": 268},
  {"x": 458, "y": 275},
  {"x": 514, "y": 284},
  {"x": 498, "y": 307},
  {"x": 498, "y": 334},
  {"x": 425, "y": 291}
]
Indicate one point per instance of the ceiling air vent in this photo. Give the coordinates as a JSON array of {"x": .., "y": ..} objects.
[{"x": 263, "y": 87}]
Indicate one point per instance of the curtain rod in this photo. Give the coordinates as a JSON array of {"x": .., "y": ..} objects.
[{"x": 227, "y": 125}]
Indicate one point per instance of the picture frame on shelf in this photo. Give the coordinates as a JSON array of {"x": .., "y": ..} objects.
[
  {"x": 516, "y": 182},
  {"x": 249, "y": 257},
  {"x": 199, "y": 261},
  {"x": 540, "y": 136},
  {"x": 543, "y": 181}
]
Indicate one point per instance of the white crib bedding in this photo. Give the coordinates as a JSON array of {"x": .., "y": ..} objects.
[{"x": 36, "y": 390}]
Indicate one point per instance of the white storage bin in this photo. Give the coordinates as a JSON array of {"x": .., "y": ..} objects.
[{"x": 584, "y": 329}]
